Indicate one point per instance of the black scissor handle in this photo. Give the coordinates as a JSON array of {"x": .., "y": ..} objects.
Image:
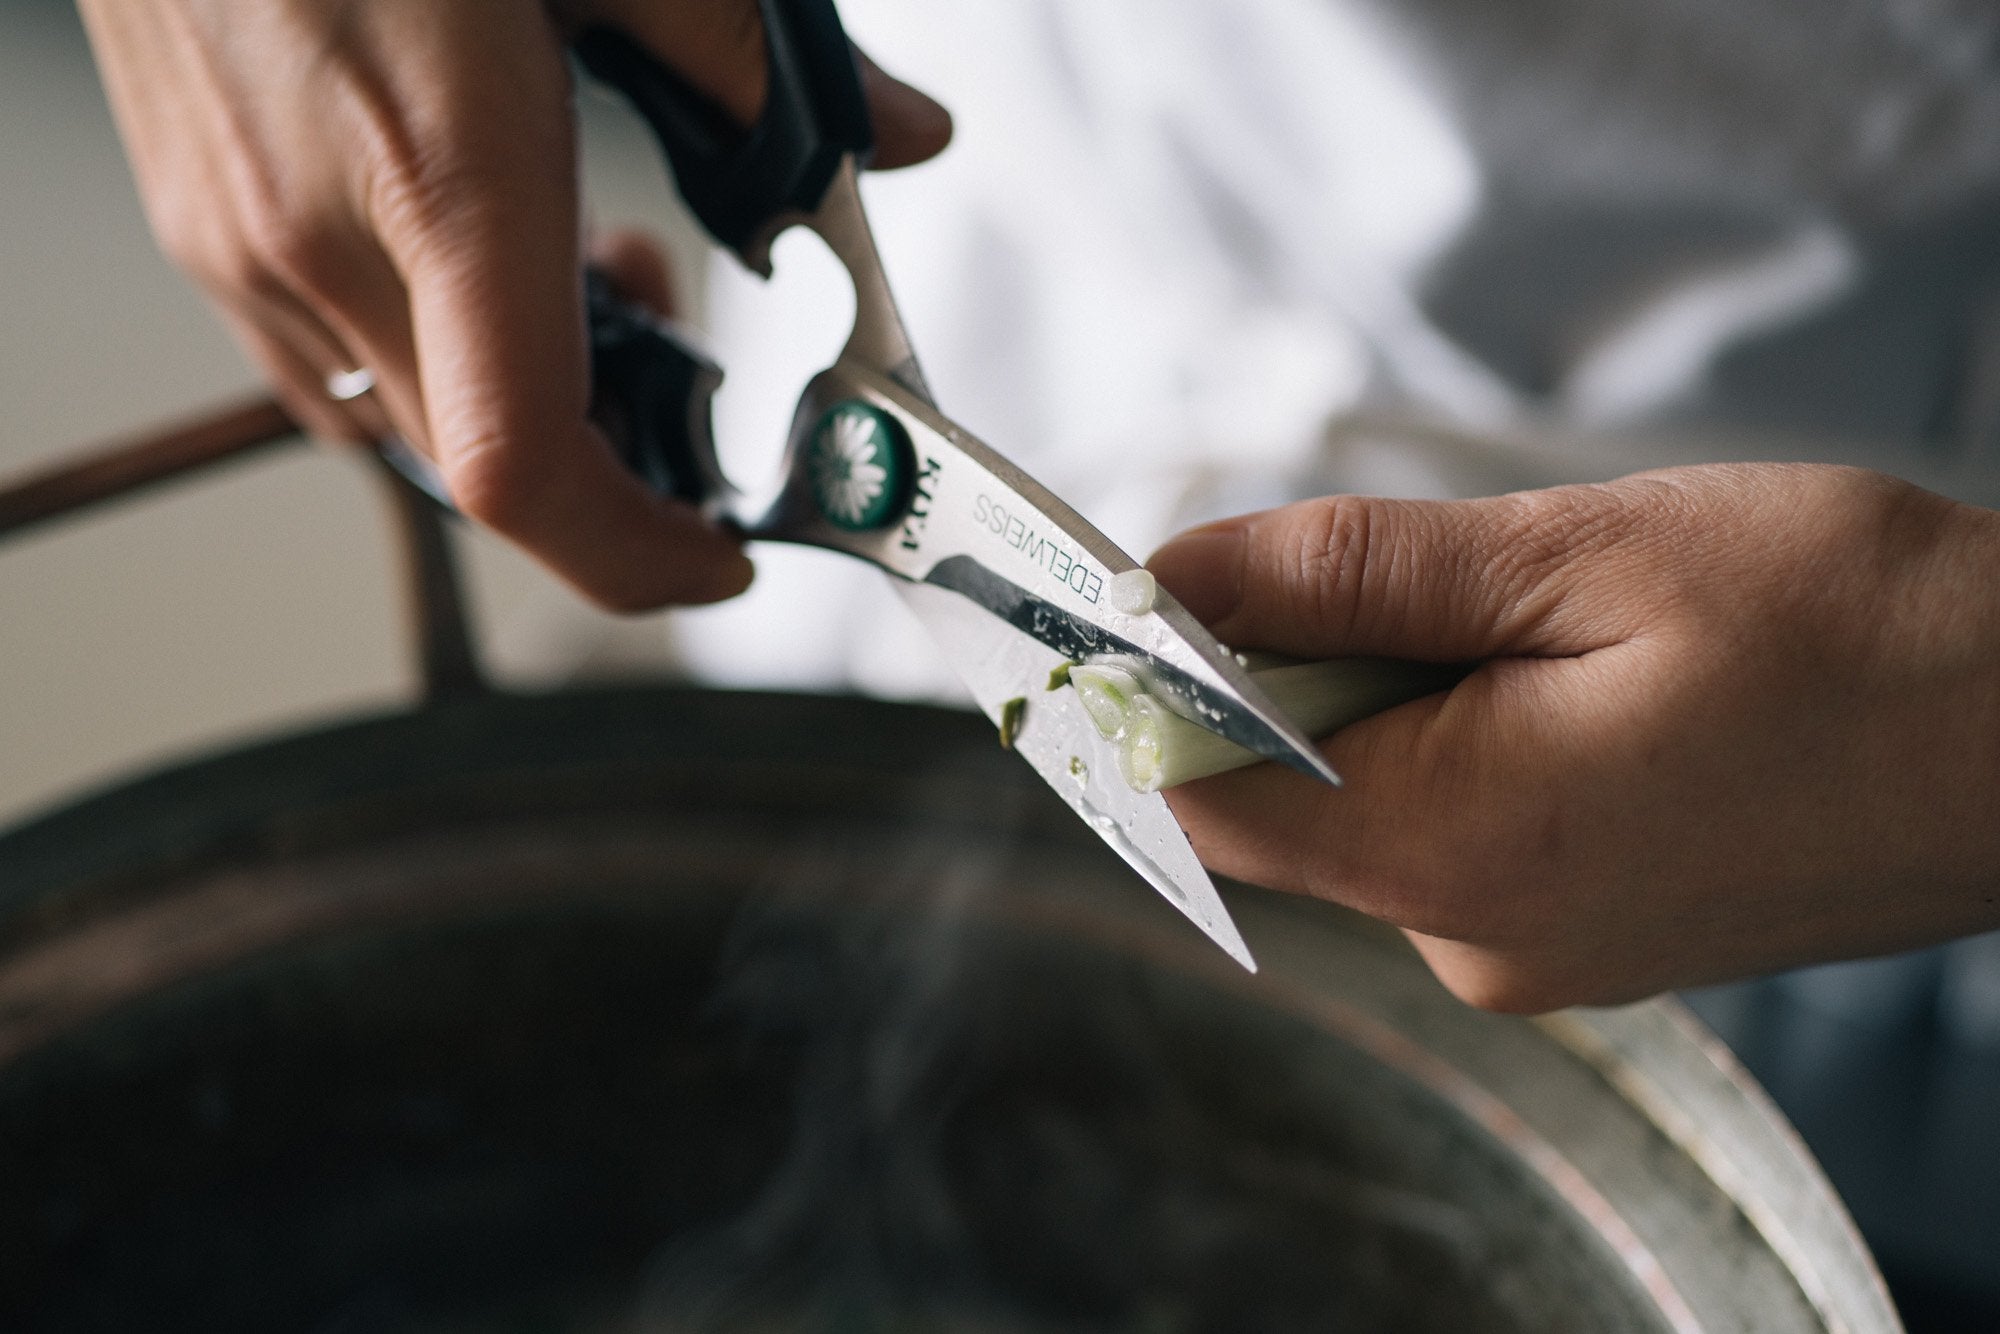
[
  {"x": 651, "y": 391},
  {"x": 650, "y": 388},
  {"x": 745, "y": 186}
]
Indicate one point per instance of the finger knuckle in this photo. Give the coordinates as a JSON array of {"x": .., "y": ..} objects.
[
  {"x": 1536, "y": 538},
  {"x": 1858, "y": 503},
  {"x": 1335, "y": 549},
  {"x": 414, "y": 193},
  {"x": 1440, "y": 901},
  {"x": 1504, "y": 979},
  {"x": 1504, "y": 987},
  {"x": 210, "y": 250},
  {"x": 425, "y": 192},
  {"x": 491, "y": 483},
  {"x": 1540, "y": 532},
  {"x": 292, "y": 248}
]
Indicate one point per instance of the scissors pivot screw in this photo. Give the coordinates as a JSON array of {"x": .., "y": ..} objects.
[{"x": 860, "y": 466}]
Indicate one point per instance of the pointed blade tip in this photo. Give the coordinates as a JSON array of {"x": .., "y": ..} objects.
[
  {"x": 1225, "y": 935},
  {"x": 1220, "y": 929},
  {"x": 1314, "y": 765}
]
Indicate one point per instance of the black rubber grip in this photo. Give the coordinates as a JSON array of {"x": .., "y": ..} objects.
[
  {"x": 743, "y": 184},
  {"x": 651, "y": 392}
]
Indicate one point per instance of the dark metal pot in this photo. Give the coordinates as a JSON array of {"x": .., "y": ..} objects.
[{"x": 656, "y": 1009}]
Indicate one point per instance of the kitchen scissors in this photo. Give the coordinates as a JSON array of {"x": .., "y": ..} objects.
[{"x": 1011, "y": 582}]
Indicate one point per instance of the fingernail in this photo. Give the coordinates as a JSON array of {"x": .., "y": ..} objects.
[{"x": 1203, "y": 569}]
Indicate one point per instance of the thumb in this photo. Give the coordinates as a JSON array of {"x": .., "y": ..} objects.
[
  {"x": 1437, "y": 581},
  {"x": 719, "y": 49},
  {"x": 910, "y": 125}
]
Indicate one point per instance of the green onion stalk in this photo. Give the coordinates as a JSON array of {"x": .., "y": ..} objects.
[{"x": 1157, "y": 748}]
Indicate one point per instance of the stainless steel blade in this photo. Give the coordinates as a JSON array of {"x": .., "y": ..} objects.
[
  {"x": 1186, "y": 668},
  {"x": 999, "y": 664}
]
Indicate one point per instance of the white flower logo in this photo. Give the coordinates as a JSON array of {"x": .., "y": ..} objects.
[{"x": 847, "y": 473}]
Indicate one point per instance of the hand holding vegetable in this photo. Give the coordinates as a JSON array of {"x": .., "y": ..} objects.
[
  {"x": 1729, "y": 719},
  {"x": 391, "y": 185}
]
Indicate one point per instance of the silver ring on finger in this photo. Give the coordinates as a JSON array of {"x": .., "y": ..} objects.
[{"x": 346, "y": 386}]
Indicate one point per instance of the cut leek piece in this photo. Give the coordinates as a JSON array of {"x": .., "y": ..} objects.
[
  {"x": 1157, "y": 748},
  {"x": 1106, "y": 691},
  {"x": 1011, "y": 715}
]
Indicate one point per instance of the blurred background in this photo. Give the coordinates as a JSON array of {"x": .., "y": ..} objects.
[{"x": 1264, "y": 249}]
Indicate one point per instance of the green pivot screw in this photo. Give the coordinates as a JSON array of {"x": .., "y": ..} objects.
[{"x": 858, "y": 461}]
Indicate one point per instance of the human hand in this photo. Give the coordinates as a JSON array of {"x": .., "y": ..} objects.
[
  {"x": 392, "y": 185},
  {"x": 1728, "y": 719}
]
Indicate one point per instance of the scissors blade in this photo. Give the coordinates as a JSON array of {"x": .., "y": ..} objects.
[
  {"x": 999, "y": 664},
  {"x": 1184, "y": 666}
]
